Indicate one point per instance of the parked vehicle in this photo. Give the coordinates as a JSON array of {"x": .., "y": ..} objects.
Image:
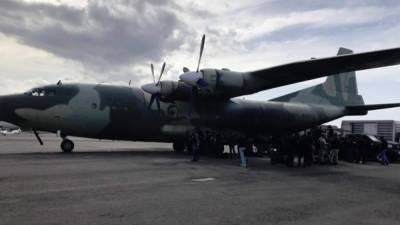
[{"x": 358, "y": 147}]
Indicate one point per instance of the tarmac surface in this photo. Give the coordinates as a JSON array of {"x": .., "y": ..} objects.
[{"x": 107, "y": 182}]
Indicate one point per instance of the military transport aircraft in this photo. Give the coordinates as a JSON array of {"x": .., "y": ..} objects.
[{"x": 201, "y": 100}]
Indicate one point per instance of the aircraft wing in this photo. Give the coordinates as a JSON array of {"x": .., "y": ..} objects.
[{"x": 306, "y": 70}]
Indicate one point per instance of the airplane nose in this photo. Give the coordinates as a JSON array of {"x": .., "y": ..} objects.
[{"x": 8, "y": 104}]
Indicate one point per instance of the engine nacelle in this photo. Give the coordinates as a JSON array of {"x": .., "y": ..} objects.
[
  {"x": 175, "y": 90},
  {"x": 224, "y": 83},
  {"x": 210, "y": 83}
]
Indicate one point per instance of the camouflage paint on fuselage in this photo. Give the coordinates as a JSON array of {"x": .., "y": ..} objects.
[
  {"x": 129, "y": 116},
  {"x": 96, "y": 111},
  {"x": 22, "y": 109},
  {"x": 122, "y": 113}
]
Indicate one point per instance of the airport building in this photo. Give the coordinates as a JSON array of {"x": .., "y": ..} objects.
[{"x": 389, "y": 129}]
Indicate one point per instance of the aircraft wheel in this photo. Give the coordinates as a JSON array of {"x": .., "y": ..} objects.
[
  {"x": 178, "y": 147},
  {"x": 67, "y": 145}
]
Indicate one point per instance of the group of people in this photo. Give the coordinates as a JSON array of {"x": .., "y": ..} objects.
[
  {"x": 210, "y": 142},
  {"x": 317, "y": 147},
  {"x": 358, "y": 149},
  {"x": 306, "y": 149}
]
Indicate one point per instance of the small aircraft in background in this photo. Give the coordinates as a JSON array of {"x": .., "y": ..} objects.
[
  {"x": 8, "y": 128},
  {"x": 202, "y": 100},
  {"x": 9, "y": 132}
]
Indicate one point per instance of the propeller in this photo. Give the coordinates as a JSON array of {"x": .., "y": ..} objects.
[
  {"x": 154, "y": 88},
  {"x": 203, "y": 39},
  {"x": 195, "y": 78},
  {"x": 161, "y": 73},
  {"x": 152, "y": 72}
]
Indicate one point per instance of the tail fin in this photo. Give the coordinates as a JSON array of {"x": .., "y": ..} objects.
[{"x": 340, "y": 89}]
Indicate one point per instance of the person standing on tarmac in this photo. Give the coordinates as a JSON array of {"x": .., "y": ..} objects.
[
  {"x": 301, "y": 151},
  {"x": 363, "y": 147},
  {"x": 218, "y": 144},
  {"x": 290, "y": 146},
  {"x": 382, "y": 155},
  {"x": 195, "y": 143},
  {"x": 308, "y": 149},
  {"x": 232, "y": 151},
  {"x": 242, "y": 148},
  {"x": 334, "y": 149},
  {"x": 322, "y": 150},
  {"x": 206, "y": 144}
]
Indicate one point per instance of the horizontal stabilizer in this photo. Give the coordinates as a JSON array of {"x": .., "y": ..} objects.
[{"x": 363, "y": 109}]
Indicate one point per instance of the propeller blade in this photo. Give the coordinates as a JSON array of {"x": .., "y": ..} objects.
[
  {"x": 152, "y": 100},
  {"x": 201, "y": 51},
  {"x": 161, "y": 73},
  {"x": 130, "y": 81},
  {"x": 158, "y": 103},
  {"x": 152, "y": 72}
]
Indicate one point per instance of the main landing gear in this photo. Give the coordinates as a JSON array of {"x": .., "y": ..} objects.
[{"x": 67, "y": 145}]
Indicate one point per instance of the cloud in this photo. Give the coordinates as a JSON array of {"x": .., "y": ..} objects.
[
  {"x": 115, "y": 40},
  {"x": 102, "y": 36},
  {"x": 277, "y": 7}
]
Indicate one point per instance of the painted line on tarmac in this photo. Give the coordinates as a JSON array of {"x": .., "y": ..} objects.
[{"x": 204, "y": 179}]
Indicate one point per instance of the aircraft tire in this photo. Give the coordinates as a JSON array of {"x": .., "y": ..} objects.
[
  {"x": 67, "y": 146},
  {"x": 178, "y": 147}
]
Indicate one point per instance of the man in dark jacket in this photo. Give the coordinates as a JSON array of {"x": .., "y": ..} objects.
[{"x": 195, "y": 144}]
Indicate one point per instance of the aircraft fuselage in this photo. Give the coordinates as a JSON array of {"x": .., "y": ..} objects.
[{"x": 122, "y": 113}]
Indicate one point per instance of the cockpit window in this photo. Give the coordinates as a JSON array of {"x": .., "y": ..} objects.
[
  {"x": 35, "y": 92},
  {"x": 40, "y": 92}
]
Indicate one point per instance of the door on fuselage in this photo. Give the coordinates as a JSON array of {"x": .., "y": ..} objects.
[{"x": 123, "y": 115}]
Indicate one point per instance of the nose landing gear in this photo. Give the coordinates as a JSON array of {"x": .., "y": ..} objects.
[{"x": 67, "y": 145}]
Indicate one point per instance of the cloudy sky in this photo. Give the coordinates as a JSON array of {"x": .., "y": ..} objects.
[{"x": 114, "y": 41}]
